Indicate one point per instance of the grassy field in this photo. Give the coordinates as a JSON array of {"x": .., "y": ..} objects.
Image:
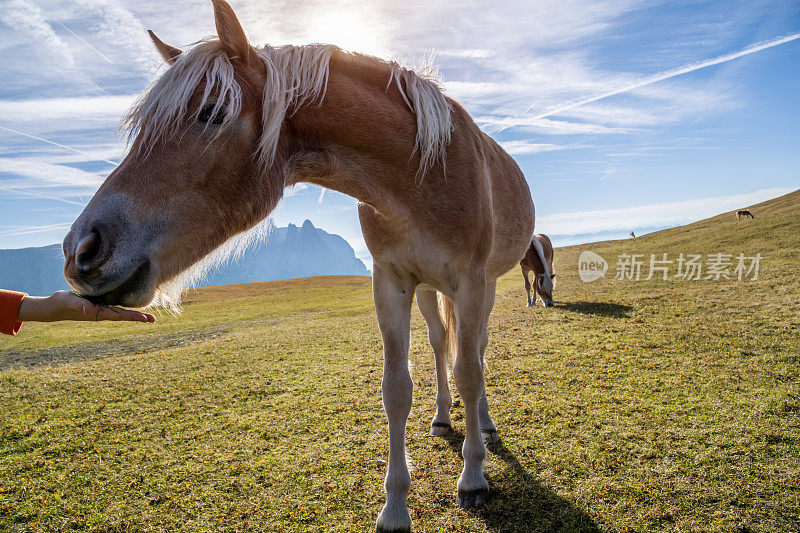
[{"x": 630, "y": 406}]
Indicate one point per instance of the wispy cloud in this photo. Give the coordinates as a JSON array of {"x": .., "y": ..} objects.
[
  {"x": 528, "y": 147},
  {"x": 119, "y": 25},
  {"x": 548, "y": 126},
  {"x": 59, "y": 145},
  {"x": 38, "y": 175},
  {"x": 10, "y": 191},
  {"x": 6, "y": 231},
  {"x": 661, "y": 76},
  {"x": 28, "y": 19},
  {"x": 66, "y": 113},
  {"x": 81, "y": 39}
]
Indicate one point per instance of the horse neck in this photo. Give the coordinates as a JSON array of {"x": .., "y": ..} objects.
[{"x": 358, "y": 140}]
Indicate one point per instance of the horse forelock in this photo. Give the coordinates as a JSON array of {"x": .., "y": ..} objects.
[{"x": 164, "y": 106}]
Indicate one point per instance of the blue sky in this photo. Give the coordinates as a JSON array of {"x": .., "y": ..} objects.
[{"x": 669, "y": 143}]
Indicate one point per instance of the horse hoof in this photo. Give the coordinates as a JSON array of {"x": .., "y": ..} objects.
[
  {"x": 393, "y": 520},
  {"x": 473, "y": 499},
  {"x": 490, "y": 436},
  {"x": 380, "y": 529},
  {"x": 440, "y": 429}
]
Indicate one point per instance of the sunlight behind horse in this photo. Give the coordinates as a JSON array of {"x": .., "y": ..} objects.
[{"x": 351, "y": 30}]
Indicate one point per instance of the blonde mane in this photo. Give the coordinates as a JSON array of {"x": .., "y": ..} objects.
[{"x": 296, "y": 76}]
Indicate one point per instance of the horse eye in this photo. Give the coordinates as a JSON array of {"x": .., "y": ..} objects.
[{"x": 208, "y": 116}]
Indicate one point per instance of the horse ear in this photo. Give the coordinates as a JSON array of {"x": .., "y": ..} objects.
[
  {"x": 169, "y": 53},
  {"x": 230, "y": 31}
]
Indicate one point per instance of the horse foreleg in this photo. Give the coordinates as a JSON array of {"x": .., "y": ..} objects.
[
  {"x": 429, "y": 307},
  {"x": 470, "y": 302},
  {"x": 488, "y": 429},
  {"x": 527, "y": 286},
  {"x": 393, "y": 295}
]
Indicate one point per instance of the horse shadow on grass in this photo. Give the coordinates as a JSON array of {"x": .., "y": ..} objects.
[
  {"x": 606, "y": 309},
  {"x": 518, "y": 502}
]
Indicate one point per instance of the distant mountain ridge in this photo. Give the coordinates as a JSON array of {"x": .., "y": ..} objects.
[
  {"x": 37, "y": 271},
  {"x": 290, "y": 252}
]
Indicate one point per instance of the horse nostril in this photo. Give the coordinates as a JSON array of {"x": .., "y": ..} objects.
[{"x": 89, "y": 253}]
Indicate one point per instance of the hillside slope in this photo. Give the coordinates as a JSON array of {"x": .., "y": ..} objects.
[
  {"x": 629, "y": 406},
  {"x": 775, "y": 233}
]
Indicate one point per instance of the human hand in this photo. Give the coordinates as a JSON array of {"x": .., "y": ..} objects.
[{"x": 64, "y": 305}]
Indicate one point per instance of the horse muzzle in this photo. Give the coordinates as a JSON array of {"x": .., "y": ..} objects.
[{"x": 99, "y": 269}]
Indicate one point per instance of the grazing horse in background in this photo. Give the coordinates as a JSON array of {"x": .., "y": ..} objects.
[
  {"x": 216, "y": 139},
  {"x": 539, "y": 258},
  {"x": 744, "y": 214}
]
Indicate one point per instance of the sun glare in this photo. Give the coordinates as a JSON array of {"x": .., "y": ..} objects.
[{"x": 355, "y": 31}]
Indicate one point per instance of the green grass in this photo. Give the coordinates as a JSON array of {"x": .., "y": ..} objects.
[{"x": 630, "y": 406}]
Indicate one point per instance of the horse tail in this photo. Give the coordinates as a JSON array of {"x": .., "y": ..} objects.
[
  {"x": 447, "y": 315},
  {"x": 547, "y": 283}
]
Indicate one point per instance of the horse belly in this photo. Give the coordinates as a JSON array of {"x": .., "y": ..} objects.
[{"x": 514, "y": 220}]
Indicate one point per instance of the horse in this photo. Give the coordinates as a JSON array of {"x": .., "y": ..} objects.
[
  {"x": 744, "y": 214},
  {"x": 215, "y": 140},
  {"x": 539, "y": 258},
  {"x": 633, "y": 235}
]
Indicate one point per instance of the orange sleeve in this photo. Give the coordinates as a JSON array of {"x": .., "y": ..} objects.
[{"x": 9, "y": 308}]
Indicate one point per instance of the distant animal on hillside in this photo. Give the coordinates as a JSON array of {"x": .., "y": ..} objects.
[
  {"x": 633, "y": 236},
  {"x": 744, "y": 213},
  {"x": 539, "y": 259},
  {"x": 444, "y": 210}
]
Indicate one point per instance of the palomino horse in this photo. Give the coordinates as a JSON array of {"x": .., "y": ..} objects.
[
  {"x": 539, "y": 258},
  {"x": 744, "y": 214},
  {"x": 216, "y": 139}
]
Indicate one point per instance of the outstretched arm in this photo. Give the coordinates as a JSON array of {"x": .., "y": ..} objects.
[
  {"x": 65, "y": 305},
  {"x": 61, "y": 305}
]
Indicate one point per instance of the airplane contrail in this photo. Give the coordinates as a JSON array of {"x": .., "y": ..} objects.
[
  {"x": 59, "y": 145},
  {"x": 661, "y": 76},
  {"x": 101, "y": 54}
]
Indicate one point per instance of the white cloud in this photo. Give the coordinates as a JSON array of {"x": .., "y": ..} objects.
[
  {"x": 55, "y": 156},
  {"x": 15, "y": 231},
  {"x": 296, "y": 189},
  {"x": 87, "y": 110},
  {"x": 50, "y": 54},
  {"x": 473, "y": 53},
  {"x": 27, "y": 19},
  {"x": 72, "y": 149},
  {"x": 616, "y": 115},
  {"x": 38, "y": 175},
  {"x": 121, "y": 30},
  {"x": 527, "y": 147},
  {"x": 547, "y": 126},
  {"x": 661, "y": 76}
]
